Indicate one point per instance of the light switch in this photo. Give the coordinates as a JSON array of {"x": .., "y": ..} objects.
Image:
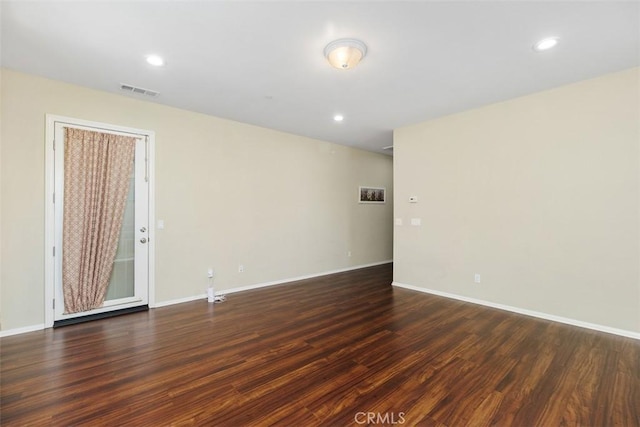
[
  {"x": 413, "y": 199},
  {"x": 398, "y": 221},
  {"x": 161, "y": 224},
  {"x": 416, "y": 221}
]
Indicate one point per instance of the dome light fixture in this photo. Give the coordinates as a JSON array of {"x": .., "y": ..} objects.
[
  {"x": 545, "y": 44},
  {"x": 344, "y": 54}
]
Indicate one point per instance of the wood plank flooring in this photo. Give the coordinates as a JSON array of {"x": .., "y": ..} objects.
[{"x": 340, "y": 350}]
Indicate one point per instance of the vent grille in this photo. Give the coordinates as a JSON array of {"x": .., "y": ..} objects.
[{"x": 138, "y": 90}]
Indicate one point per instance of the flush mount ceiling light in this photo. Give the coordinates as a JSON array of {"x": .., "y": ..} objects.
[
  {"x": 338, "y": 117},
  {"x": 545, "y": 44},
  {"x": 344, "y": 54},
  {"x": 155, "y": 60}
]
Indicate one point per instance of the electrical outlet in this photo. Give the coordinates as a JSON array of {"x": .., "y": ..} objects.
[
  {"x": 210, "y": 273},
  {"x": 240, "y": 268},
  {"x": 476, "y": 278}
]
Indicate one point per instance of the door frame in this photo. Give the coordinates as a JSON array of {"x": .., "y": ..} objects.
[{"x": 50, "y": 242}]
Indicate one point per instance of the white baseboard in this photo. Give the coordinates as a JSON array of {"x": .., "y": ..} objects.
[
  {"x": 178, "y": 301},
  {"x": 266, "y": 284},
  {"x": 295, "y": 279},
  {"x": 225, "y": 291},
  {"x": 22, "y": 330},
  {"x": 532, "y": 313}
]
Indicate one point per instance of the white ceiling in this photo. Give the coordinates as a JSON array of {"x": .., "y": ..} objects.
[{"x": 262, "y": 62}]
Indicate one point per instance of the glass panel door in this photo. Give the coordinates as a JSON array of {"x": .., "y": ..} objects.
[
  {"x": 121, "y": 284},
  {"x": 129, "y": 282}
]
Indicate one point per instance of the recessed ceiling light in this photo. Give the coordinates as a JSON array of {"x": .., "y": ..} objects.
[
  {"x": 338, "y": 117},
  {"x": 545, "y": 44},
  {"x": 155, "y": 60}
]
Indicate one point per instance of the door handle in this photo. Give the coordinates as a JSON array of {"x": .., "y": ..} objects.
[{"x": 143, "y": 240}]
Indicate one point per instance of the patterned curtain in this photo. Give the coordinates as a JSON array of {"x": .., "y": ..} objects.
[{"x": 97, "y": 167}]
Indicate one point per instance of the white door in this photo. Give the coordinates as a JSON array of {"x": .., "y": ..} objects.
[{"x": 129, "y": 283}]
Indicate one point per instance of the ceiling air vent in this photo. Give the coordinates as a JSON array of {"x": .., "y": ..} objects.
[{"x": 138, "y": 90}]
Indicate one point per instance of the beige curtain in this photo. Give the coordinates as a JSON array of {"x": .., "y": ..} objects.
[{"x": 97, "y": 167}]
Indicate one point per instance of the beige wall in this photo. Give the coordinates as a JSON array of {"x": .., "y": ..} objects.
[
  {"x": 540, "y": 195},
  {"x": 229, "y": 193}
]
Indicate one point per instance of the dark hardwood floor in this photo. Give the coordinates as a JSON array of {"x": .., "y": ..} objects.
[{"x": 345, "y": 349}]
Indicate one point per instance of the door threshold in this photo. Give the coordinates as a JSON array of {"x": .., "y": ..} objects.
[{"x": 98, "y": 316}]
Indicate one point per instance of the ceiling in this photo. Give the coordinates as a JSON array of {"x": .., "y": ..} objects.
[{"x": 262, "y": 62}]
